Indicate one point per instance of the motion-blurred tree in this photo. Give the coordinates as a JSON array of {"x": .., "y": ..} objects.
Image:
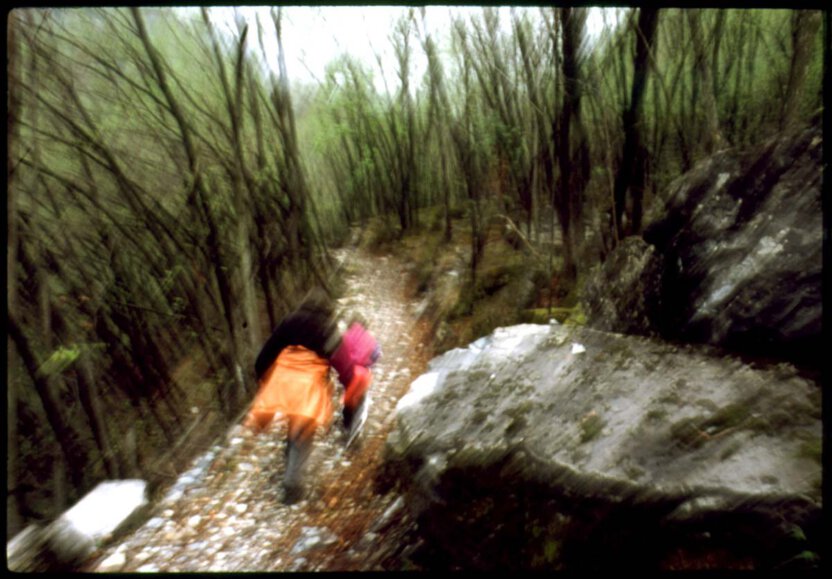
[{"x": 141, "y": 214}]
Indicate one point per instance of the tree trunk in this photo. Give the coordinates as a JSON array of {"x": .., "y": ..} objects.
[
  {"x": 805, "y": 25},
  {"x": 630, "y": 177},
  {"x": 745, "y": 130},
  {"x": 14, "y": 502},
  {"x": 90, "y": 400},
  {"x": 733, "y": 117},
  {"x": 573, "y": 155},
  {"x": 705, "y": 104}
]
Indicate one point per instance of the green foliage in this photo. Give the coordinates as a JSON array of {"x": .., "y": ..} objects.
[
  {"x": 465, "y": 304},
  {"x": 536, "y": 316},
  {"x": 59, "y": 361},
  {"x": 65, "y": 356},
  {"x": 577, "y": 316},
  {"x": 571, "y": 316}
]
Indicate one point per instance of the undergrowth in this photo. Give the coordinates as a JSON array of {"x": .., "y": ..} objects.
[{"x": 507, "y": 285}]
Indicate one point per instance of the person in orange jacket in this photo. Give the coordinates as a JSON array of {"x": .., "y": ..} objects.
[{"x": 292, "y": 371}]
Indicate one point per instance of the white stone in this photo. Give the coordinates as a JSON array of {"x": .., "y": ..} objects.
[
  {"x": 113, "y": 563},
  {"x": 106, "y": 507}
]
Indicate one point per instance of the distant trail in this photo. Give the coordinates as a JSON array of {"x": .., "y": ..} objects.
[{"x": 225, "y": 513}]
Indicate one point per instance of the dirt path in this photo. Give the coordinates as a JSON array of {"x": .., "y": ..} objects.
[{"x": 225, "y": 513}]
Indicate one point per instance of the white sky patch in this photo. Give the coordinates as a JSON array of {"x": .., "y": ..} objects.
[{"x": 315, "y": 35}]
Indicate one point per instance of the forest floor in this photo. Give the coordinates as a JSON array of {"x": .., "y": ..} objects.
[{"x": 229, "y": 516}]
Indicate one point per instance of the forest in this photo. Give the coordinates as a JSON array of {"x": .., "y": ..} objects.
[{"x": 170, "y": 195}]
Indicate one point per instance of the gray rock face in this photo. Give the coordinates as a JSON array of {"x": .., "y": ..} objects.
[
  {"x": 740, "y": 247},
  {"x": 553, "y": 447},
  {"x": 625, "y": 294}
]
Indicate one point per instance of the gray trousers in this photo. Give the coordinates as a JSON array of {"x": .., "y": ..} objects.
[{"x": 298, "y": 448}]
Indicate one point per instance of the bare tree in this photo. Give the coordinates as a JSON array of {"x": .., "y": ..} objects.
[
  {"x": 630, "y": 177},
  {"x": 438, "y": 118},
  {"x": 804, "y": 29},
  {"x": 573, "y": 152},
  {"x": 703, "y": 99}
]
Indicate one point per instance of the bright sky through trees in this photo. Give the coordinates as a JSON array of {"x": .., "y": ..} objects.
[{"x": 315, "y": 35}]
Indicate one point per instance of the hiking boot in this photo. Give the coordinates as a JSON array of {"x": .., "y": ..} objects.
[
  {"x": 359, "y": 418},
  {"x": 297, "y": 455},
  {"x": 292, "y": 493},
  {"x": 346, "y": 422}
]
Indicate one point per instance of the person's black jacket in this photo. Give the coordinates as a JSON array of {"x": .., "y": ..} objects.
[{"x": 312, "y": 329}]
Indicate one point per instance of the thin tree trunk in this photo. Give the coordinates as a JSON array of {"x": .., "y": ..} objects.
[
  {"x": 745, "y": 130},
  {"x": 630, "y": 177},
  {"x": 805, "y": 25},
  {"x": 14, "y": 505},
  {"x": 733, "y": 117},
  {"x": 704, "y": 86},
  {"x": 241, "y": 320},
  {"x": 572, "y": 149},
  {"x": 90, "y": 400}
]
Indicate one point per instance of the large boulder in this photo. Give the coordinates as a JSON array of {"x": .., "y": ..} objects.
[
  {"x": 740, "y": 242},
  {"x": 555, "y": 447}
]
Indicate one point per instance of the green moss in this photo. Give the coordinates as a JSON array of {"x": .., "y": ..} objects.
[
  {"x": 730, "y": 416},
  {"x": 551, "y": 550},
  {"x": 562, "y": 315},
  {"x": 730, "y": 450},
  {"x": 536, "y": 316},
  {"x": 696, "y": 431},
  {"x": 545, "y": 545},
  {"x": 591, "y": 427},
  {"x": 687, "y": 433},
  {"x": 633, "y": 472},
  {"x": 464, "y": 305},
  {"x": 577, "y": 317},
  {"x": 479, "y": 416},
  {"x": 578, "y": 455},
  {"x": 708, "y": 405},
  {"x": 817, "y": 486},
  {"x": 813, "y": 450},
  {"x": 671, "y": 398},
  {"x": 656, "y": 414}
]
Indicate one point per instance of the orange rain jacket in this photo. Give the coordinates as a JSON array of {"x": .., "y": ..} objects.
[{"x": 297, "y": 383}]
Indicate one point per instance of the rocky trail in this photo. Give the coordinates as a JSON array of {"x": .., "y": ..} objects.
[{"x": 225, "y": 514}]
